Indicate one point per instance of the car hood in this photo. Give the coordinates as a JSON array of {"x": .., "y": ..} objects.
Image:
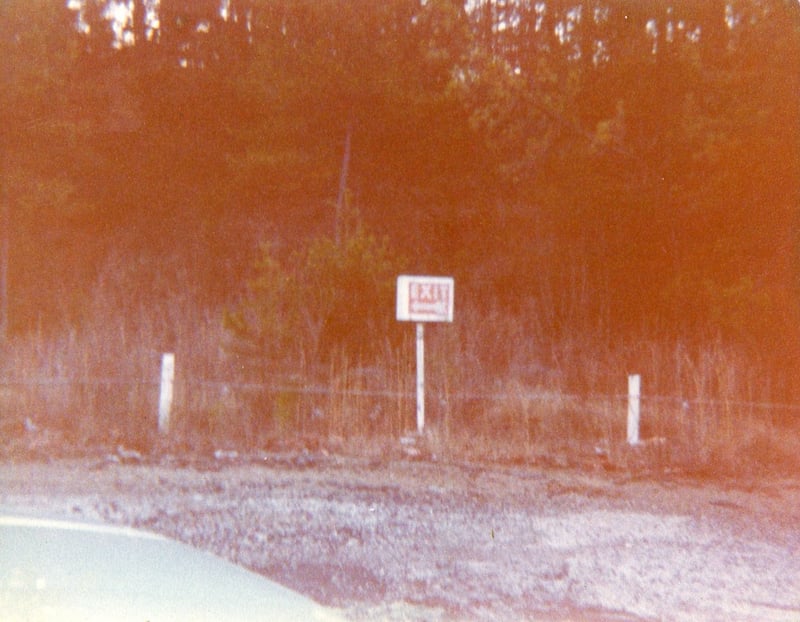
[{"x": 67, "y": 571}]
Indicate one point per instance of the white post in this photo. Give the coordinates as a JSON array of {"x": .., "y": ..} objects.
[
  {"x": 165, "y": 396},
  {"x": 634, "y": 392},
  {"x": 420, "y": 377}
]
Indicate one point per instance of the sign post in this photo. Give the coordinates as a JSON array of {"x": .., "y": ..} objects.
[
  {"x": 423, "y": 299},
  {"x": 420, "y": 376}
]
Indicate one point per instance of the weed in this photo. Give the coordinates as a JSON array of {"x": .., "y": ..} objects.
[{"x": 704, "y": 408}]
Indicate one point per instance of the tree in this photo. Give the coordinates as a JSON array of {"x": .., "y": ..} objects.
[
  {"x": 34, "y": 53},
  {"x": 322, "y": 300}
]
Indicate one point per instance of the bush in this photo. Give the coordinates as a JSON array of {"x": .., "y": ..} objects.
[{"x": 323, "y": 299}]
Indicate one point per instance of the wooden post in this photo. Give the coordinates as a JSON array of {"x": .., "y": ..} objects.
[
  {"x": 165, "y": 395},
  {"x": 634, "y": 393},
  {"x": 420, "y": 377}
]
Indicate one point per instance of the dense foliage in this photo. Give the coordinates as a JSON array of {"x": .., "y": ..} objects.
[{"x": 619, "y": 168}]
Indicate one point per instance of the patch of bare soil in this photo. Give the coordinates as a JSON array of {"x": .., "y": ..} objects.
[{"x": 396, "y": 539}]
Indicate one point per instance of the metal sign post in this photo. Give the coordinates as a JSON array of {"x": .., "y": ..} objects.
[
  {"x": 423, "y": 299},
  {"x": 420, "y": 377}
]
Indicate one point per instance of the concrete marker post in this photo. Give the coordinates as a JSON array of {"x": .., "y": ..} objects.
[
  {"x": 634, "y": 394},
  {"x": 165, "y": 394}
]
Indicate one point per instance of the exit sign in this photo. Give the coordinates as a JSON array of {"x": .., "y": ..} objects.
[{"x": 425, "y": 298}]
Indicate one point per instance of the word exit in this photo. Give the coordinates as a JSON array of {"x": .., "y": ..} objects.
[{"x": 425, "y": 298}]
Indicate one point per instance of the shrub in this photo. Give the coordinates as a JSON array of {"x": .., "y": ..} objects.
[{"x": 323, "y": 299}]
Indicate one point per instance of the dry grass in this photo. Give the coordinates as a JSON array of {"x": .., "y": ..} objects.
[{"x": 513, "y": 401}]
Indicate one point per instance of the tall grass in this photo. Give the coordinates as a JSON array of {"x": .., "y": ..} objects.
[{"x": 493, "y": 392}]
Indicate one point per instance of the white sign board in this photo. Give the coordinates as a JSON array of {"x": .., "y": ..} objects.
[{"x": 425, "y": 298}]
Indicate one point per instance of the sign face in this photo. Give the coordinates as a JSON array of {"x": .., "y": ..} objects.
[{"x": 425, "y": 298}]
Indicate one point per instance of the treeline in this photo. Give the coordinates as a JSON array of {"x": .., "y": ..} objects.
[{"x": 607, "y": 169}]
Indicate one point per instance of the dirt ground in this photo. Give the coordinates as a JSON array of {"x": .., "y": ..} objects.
[{"x": 401, "y": 539}]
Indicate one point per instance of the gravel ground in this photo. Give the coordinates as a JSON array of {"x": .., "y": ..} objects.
[{"x": 399, "y": 539}]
